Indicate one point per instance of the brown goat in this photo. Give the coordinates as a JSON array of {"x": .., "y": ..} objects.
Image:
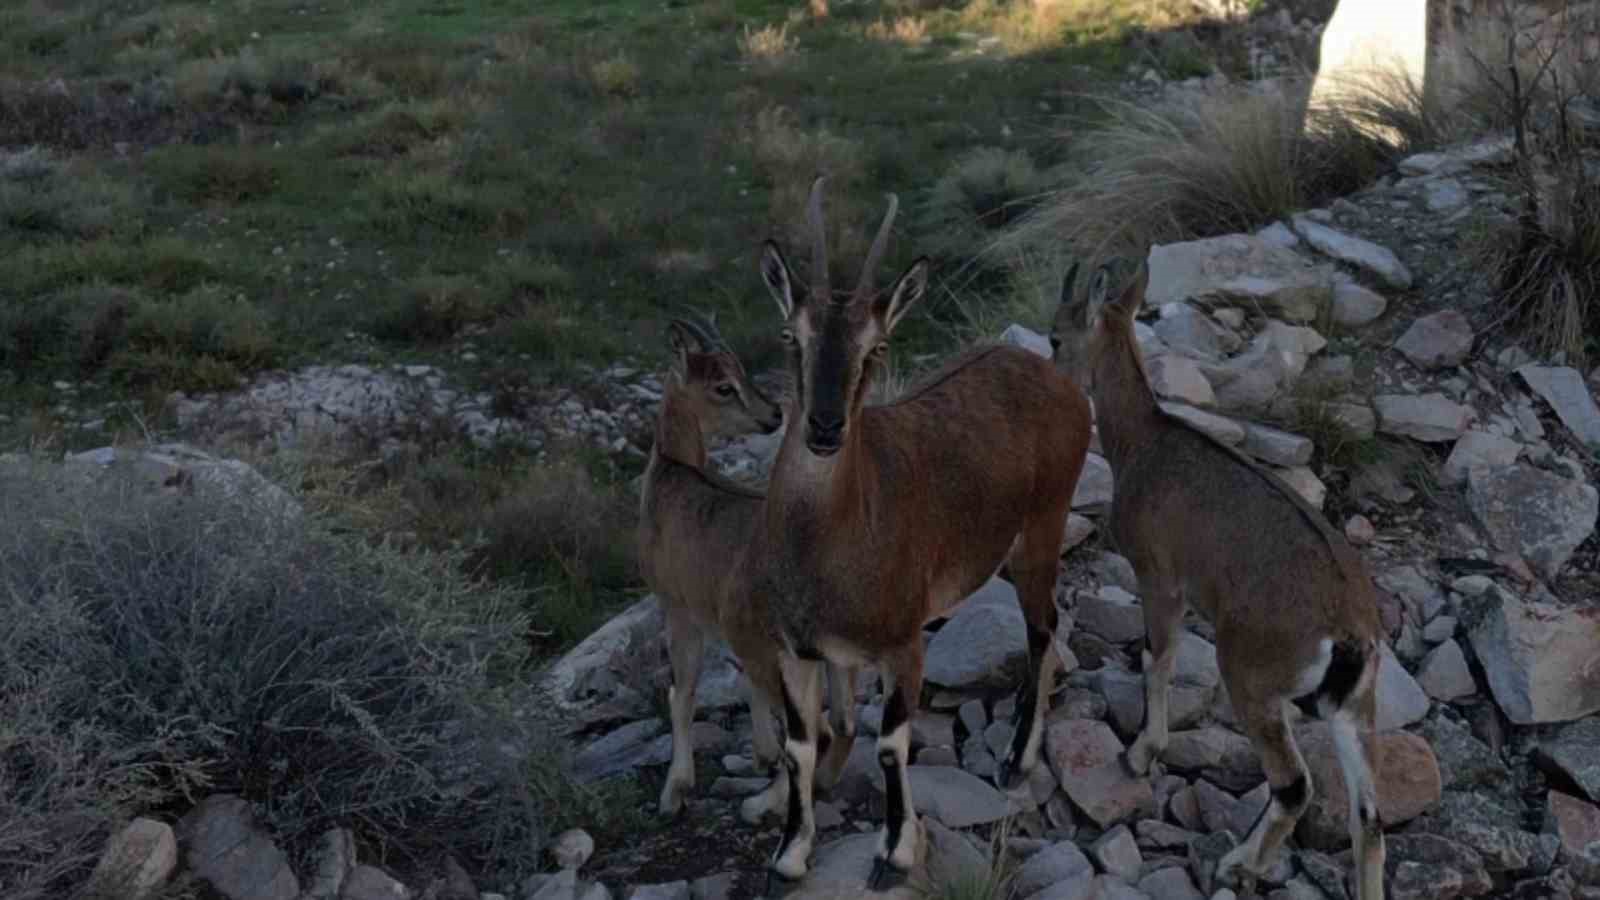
[
  {"x": 690, "y": 521},
  {"x": 1291, "y": 601},
  {"x": 880, "y": 519}
]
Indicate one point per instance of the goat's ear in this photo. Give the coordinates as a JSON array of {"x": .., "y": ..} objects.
[
  {"x": 1132, "y": 297},
  {"x": 1094, "y": 303},
  {"x": 1068, "y": 282},
  {"x": 683, "y": 343},
  {"x": 779, "y": 277},
  {"x": 890, "y": 307}
]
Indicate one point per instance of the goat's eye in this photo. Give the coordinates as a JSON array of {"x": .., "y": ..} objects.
[
  {"x": 1055, "y": 342},
  {"x": 880, "y": 349},
  {"x": 726, "y": 390},
  {"x": 788, "y": 336}
]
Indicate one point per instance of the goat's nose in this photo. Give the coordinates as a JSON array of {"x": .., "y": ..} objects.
[{"x": 823, "y": 426}]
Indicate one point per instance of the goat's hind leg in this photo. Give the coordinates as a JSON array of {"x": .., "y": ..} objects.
[
  {"x": 1266, "y": 723},
  {"x": 766, "y": 687},
  {"x": 901, "y": 845},
  {"x": 1034, "y": 562},
  {"x": 1163, "y": 623},
  {"x": 1355, "y": 742},
  {"x": 686, "y": 646}
]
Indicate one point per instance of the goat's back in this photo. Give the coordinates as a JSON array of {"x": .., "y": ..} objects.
[
  {"x": 691, "y": 525},
  {"x": 1246, "y": 550}
]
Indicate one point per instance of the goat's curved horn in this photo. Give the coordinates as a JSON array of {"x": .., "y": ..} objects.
[
  {"x": 879, "y": 244},
  {"x": 701, "y": 329},
  {"x": 819, "y": 241}
]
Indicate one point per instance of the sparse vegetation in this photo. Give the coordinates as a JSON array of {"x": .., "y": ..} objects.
[{"x": 158, "y": 647}]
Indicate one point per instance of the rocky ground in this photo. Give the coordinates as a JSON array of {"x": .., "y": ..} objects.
[{"x": 1357, "y": 326}]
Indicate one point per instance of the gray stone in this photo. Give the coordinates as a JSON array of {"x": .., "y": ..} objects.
[
  {"x": 1060, "y": 863},
  {"x": 136, "y": 863},
  {"x": 1431, "y": 417},
  {"x": 1577, "y": 823},
  {"x": 1490, "y": 828},
  {"x": 1574, "y": 751},
  {"x": 1356, "y": 419},
  {"x": 1118, "y": 853},
  {"x": 977, "y": 758},
  {"x": 1401, "y": 701},
  {"x": 1094, "y": 484},
  {"x": 1028, "y": 339},
  {"x": 937, "y": 756},
  {"x": 1077, "y": 531},
  {"x": 982, "y": 642},
  {"x": 1421, "y": 596},
  {"x": 713, "y": 887},
  {"x": 1444, "y": 674},
  {"x": 1406, "y": 774},
  {"x": 1178, "y": 378},
  {"x": 573, "y": 847},
  {"x": 1113, "y": 614},
  {"x": 1274, "y": 447},
  {"x": 1478, "y": 450},
  {"x": 1087, "y": 759},
  {"x": 1440, "y": 630},
  {"x": 222, "y": 845},
  {"x": 1212, "y": 748},
  {"x": 1355, "y": 306},
  {"x": 1172, "y": 883},
  {"x": 973, "y": 716},
  {"x": 931, "y": 729},
  {"x": 1192, "y": 333},
  {"x": 1564, "y": 389},
  {"x": 1239, "y": 270},
  {"x": 1438, "y": 341},
  {"x": 1429, "y": 867},
  {"x": 333, "y": 861},
  {"x": 671, "y": 890},
  {"x": 997, "y": 737},
  {"x": 1444, "y": 195},
  {"x": 1197, "y": 662},
  {"x": 372, "y": 883},
  {"x": 1365, "y": 255},
  {"x": 1465, "y": 763},
  {"x": 1304, "y": 482},
  {"x": 955, "y": 797},
  {"x": 1104, "y": 887},
  {"x": 1220, "y": 428},
  {"x": 1359, "y": 530},
  {"x": 1113, "y": 568},
  {"x": 1540, "y": 516}
]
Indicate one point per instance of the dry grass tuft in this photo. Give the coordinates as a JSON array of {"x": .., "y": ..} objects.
[
  {"x": 769, "y": 44},
  {"x": 909, "y": 30}
]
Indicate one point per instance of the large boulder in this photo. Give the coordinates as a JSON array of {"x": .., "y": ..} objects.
[
  {"x": 1087, "y": 759},
  {"x": 1538, "y": 515},
  {"x": 1539, "y": 659},
  {"x": 222, "y": 845},
  {"x": 1564, "y": 389},
  {"x": 1363, "y": 254},
  {"x": 982, "y": 643},
  {"x": 1406, "y": 772},
  {"x": 1239, "y": 270}
]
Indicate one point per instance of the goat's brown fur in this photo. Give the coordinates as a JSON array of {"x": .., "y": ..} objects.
[
  {"x": 1292, "y": 603},
  {"x": 691, "y": 521},
  {"x": 881, "y": 518}
]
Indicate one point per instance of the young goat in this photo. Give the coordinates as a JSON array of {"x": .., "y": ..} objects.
[
  {"x": 691, "y": 522},
  {"x": 881, "y": 518},
  {"x": 1292, "y": 603}
]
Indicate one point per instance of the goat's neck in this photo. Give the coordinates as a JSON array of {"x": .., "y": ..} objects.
[
  {"x": 678, "y": 435},
  {"x": 1125, "y": 408},
  {"x": 805, "y": 485}
]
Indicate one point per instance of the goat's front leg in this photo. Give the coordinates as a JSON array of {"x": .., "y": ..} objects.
[
  {"x": 802, "y": 703},
  {"x": 901, "y": 845},
  {"x": 686, "y": 646},
  {"x": 842, "y": 722},
  {"x": 1163, "y": 622}
]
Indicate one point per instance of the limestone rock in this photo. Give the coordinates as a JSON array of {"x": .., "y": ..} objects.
[
  {"x": 671, "y": 890},
  {"x": 1478, "y": 450},
  {"x": 1491, "y": 829},
  {"x": 1118, "y": 853},
  {"x": 372, "y": 883},
  {"x": 334, "y": 860},
  {"x": 1274, "y": 447},
  {"x": 137, "y": 861},
  {"x": 1444, "y": 674},
  {"x": 1087, "y": 759},
  {"x": 1192, "y": 333},
  {"x": 1540, "y": 516},
  {"x": 1113, "y": 614},
  {"x": 1059, "y": 863},
  {"x": 1438, "y": 341},
  {"x": 222, "y": 845},
  {"x": 1431, "y": 417},
  {"x": 1220, "y": 428},
  {"x": 1359, "y": 530},
  {"x": 1465, "y": 763},
  {"x": 1240, "y": 270},
  {"x": 1355, "y": 306},
  {"x": 1406, "y": 773},
  {"x": 1029, "y": 340},
  {"x": 1172, "y": 883},
  {"x": 1401, "y": 701},
  {"x": 1379, "y": 261},
  {"x": 981, "y": 643},
  {"x": 1094, "y": 484},
  {"x": 1304, "y": 482},
  {"x": 1574, "y": 751},
  {"x": 1178, "y": 378},
  {"x": 1564, "y": 389},
  {"x": 1539, "y": 659},
  {"x": 572, "y": 848},
  {"x": 1577, "y": 822},
  {"x": 955, "y": 797},
  {"x": 1429, "y": 867}
]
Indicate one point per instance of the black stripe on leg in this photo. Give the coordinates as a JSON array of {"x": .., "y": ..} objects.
[
  {"x": 1028, "y": 693},
  {"x": 1348, "y": 660},
  {"x": 895, "y": 714},
  {"x": 1293, "y": 796},
  {"x": 797, "y": 732}
]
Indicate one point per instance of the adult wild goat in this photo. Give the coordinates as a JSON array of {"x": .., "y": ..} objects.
[
  {"x": 1291, "y": 601},
  {"x": 691, "y": 522},
  {"x": 879, "y": 519}
]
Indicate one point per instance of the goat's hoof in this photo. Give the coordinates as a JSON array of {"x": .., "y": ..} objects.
[
  {"x": 884, "y": 876},
  {"x": 778, "y": 885}
]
